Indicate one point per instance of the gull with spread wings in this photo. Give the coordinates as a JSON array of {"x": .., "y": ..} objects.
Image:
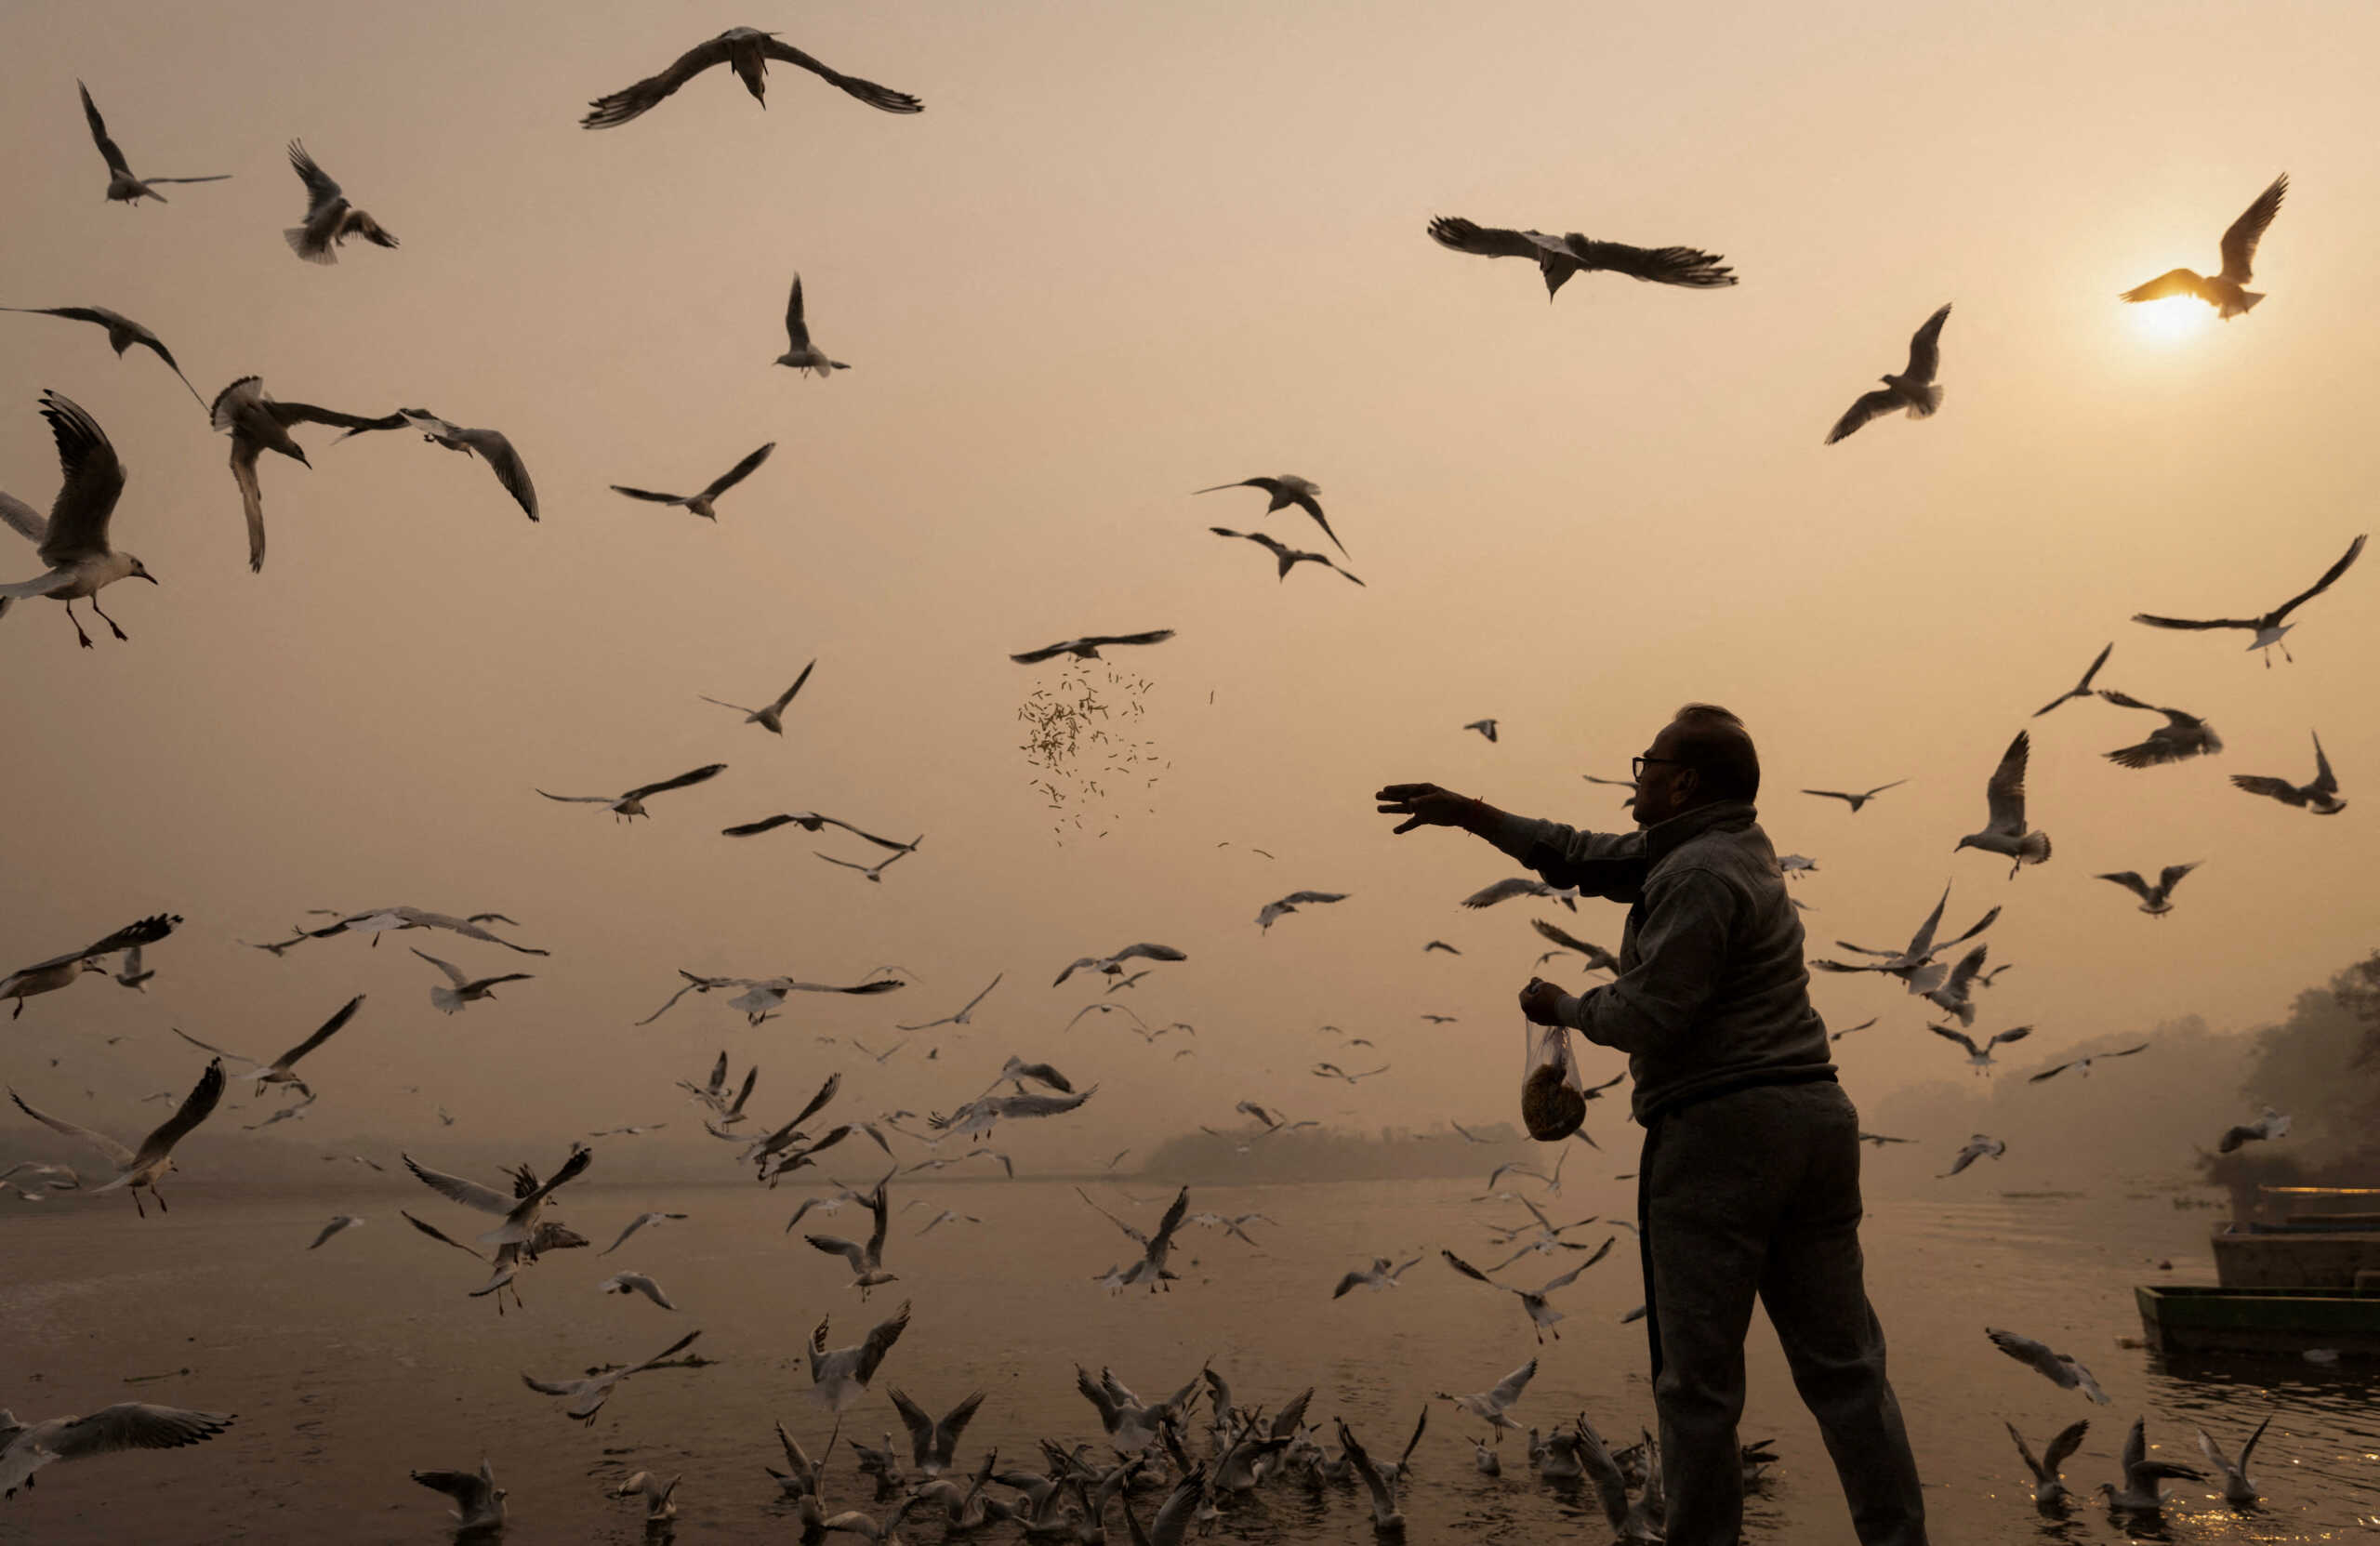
[
  {"x": 489, "y": 446},
  {"x": 1915, "y": 965},
  {"x": 965, "y": 1012},
  {"x": 1979, "y": 1058},
  {"x": 1272, "y": 911},
  {"x": 632, "y": 804},
  {"x": 2269, "y": 627},
  {"x": 462, "y": 988},
  {"x": 72, "y": 542},
  {"x": 2156, "y": 900},
  {"x": 811, "y": 820},
  {"x": 25, "y": 1447},
  {"x": 1854, "y": 801},
  {"x": 1558, "y": 258},
  {"x": 2005, "y": 832},
  {"x": 1089, "y": 645},
  {"x": 123, "y": 332},
  {"x": 123, "y": 187},
  {"x": 1913, "y": 389},
  {"x": 256, "y": 424},
  {"x": 2084, "y": 1062},
  {"x": 747, "y": 51},
  {"x": 2180, "y": 737},
  {"x": 800, "y": 352},
  {"x": 281, "y": 1070},
  {"x": 702, "y": 504},
  {"x": 1287, "y": 557},
  {"x": 2080, "y": 689},
  {"x": 62, "y": 971},
  {"x": 141, "y": 1169},
  {"x": 770, "y": 716},
  {"x": 330, "y": 219},
  {"x": 838, "y": 1377},
  {"x": 587, "y": 1395},
  {"x": 1284, "y": 491},
  {"x": 2321, "y": 796},
  {"x": 1113, "y": 966},
  {"x": 2227, "y": 291},
  {"x": 1541, "y": 1315}
]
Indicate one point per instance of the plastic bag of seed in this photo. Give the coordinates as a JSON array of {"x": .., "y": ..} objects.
[{"x": 1553, "y": 1104}]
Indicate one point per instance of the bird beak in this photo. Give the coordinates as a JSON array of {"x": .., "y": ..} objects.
[{"x": 146, "y": 575}]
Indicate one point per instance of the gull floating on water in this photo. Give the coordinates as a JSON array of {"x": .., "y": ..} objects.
[
  {"x": 703, "y": 504},
  {"x": 635, "y": 1283},
  {"x": 1977, "y": 1147},
  {"x": 1558, "y": 258},
  {"x": 478, "y": 1503},
  {"x": 123, "y": 187},
  {"x": 772, "y": 717},
  {"x": 2048, "y": 1490},
  {"x": 330, "y": 219},
  {"x": 1489, "y": 1406},
  {"x": 838, "y": 1377},
  {"x": 2321, "y": 796},
  {"x": 2272, "y": 1124},
  {"x": 72, "y": 540},
  {"x": 123, "y": 332},
  {"x": 65, "y": 971},
  {"x": 587, "y": 1395},
  {"x": 747, "y": 51},
  {"x": 632, "y": 804},
  {"x": 2156, "y": 900},
  {"x": 1284, "y": 491},
  {"x": 639, "y": 1222},
  {"x": 2236, "y": 1486},
  {"x": 256, "y": 424},
  {"x": 659, "y": 1496},
  {"x": 1913, "y": 389},
  {"x": 2080, "y": 689},
  {"x": 800, "y": 352},
  {"x": 1289, "y": 558},
  {"x": 340, "y": 1224},
  {"x": 2060, "y": 1370},
  {"x": 489, "y": 446},
  {"x": 25, "y": 1447},
  {"x": 2143, "y": 1477},
  {"x": 2005, "y": 832},
  {"x": 1088, "y": 646},
  {"x": 2227, "y": 291},
  {"x": 2268, "y": 628}
]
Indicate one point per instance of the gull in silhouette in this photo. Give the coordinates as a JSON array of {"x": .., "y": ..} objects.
[
  {"x": 1485, "y": 728},
  {"x": 772, "y": 717},
  {"x": 2227, "y": 292},
  {"x": 1284, "y": 491},
  {"x": 1838, "y": 1035},
  {"x": 1113, "y": 966},
  {"x": 1332, "y": 1071},
  {"x": 464, "y": 988},
  {"x": 838, "y": 1377},
  {"x": 2271, "y": 1125},
  {"x": 490, "y": 445},
  {"x": 1440, "y": 944},
  {"x": 478, "y": 1503},
  {"x": 123, "y": 187},
  {"x": 2084, "y": 1062},
  {"x": 281, "y": 1069},
  {"x": 800, "y": 352},
  {"x": 1558, "y": 258},
  {"x": 587, "y": 1395},
  {"x": 2268, "y": 628},
  {"x": 330, "y": 220},
  {"x": 1915, "y": 966},
  {"x": 141, "y": 1169},
  {"x": 1598, "y": 958},
  {"x": 632, "y": 804},
  {"x": 2080, "y": 689},
  {"x": 747, "y": 51},
  {"x": 123, "y": 332},
  {"x": 965, "y": 1012},
  {"x": 2180, "y": 737},
  {"x": 65, "y": 971},
  {"x": 25, "y": 1447},
  {"x": 73, "y": 541},
  {"x": 1627, "y": 784},
  {"x": 1913, "y": 389},
  {"x": 1287, "y": 557},
  {"x": 875, "y": 871},
  {"x": 2058, "y": 1368},
  {"x": 1854, "y": 801},
  {"x": 1521, "y": 885},
  {"x": 256, "y": 424},
  {"x": 2005, "y": 832},
  {"x": 2049, "y": 1492},
  {"x": 1980, "y": 1057},
  {"x": 1880, "y": 1140},
  {"x": 702, "y": 504},
  {"x": 2237, "y": 1486},
  {"x": 375, "y": 921},
  {"x": 2156, "y": 900},
  {"x": 2142, "y": 1476},
  {"x": 1980, "y": 1146},
  {"x": 811, "y": 820},
  {"x": 1541, "y": 1315},
  {"x": 1088, "y": 646},
  {"x": 1491, "y": 1404},
  {"x": 2321, "y": 796},
  {"x": 1272, "y": 911}
]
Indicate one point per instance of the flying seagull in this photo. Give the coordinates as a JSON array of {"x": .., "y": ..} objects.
[
  {"x": 2272, "y": 1124},
  {"x": 256, "y": 424},
  {"x": 625, "y": 1284},
  {"x": 875, "y": 871},
  {"x": 1486, "y": 728},
  {"x": 1541, "y": 1315},
  {"x": 340, "y": 1223},
  {"x": 377, "y": 922},
  {"x": 123, "y": 332},
  {"x": 1272, "y": 911},
  {"x": 800, "y": 352},
  {"x": 1980, "y": 1057},
  {"x": 965, "y": 1010},
  {"x": 1558, "y": 258},
  {"x": 1088, "y": 646},
  {"x": 2321, "y": 796},
  {"x": 587, "y": 1395},
  {"x": 2058, "y": 1368},
  {"x": 1521, "y": 885},
  {"x": 1113, "y": 966},
  {"x": 143, "y": 1168},
  {"x": 478, "y": 1503},
  {"x": 1440, "y": 944},
  {"x": 73, "y": 541},
  {"x": 810, "y": 821},
  {"x": 701, "y": 504},
  {"x": 1913, "y": 389},
  {"x": 462, "y": 988},
  {"x": 1855, "y": 801},
  {"x": 489, "y": 444},
  {"x": 2080, "y": 689},
  {"x": 867, "y": 1259},
  {"x": 2227, "y": 292},
  {"x": 1491, "y": 1404},
  {"x": 632, "y": 804},
  {"x": 2156, "y": 900},
  {"x": 123, "y": 187},
  {"x": 330, "y": 220},
  {"x": 2005, "y": 832},
  {"x": 771, "y": 717},
  {"x": 25, "y": 1447},
  {"x": 1838, "y": 1035},
  {"x": 2084, "y": 1062},
  {"x": 838, "y": 1377},
  {"x": 1284, "y": 491},
  {"x": 2180, "y": 737},
  {"x": 519, "y": 1207},
  {"x": 280, "y": 1070},
  {"x": 745, "y": 50},
  {"x": 2268, "y": 627},
  {"x": 1955, "y": 996},
  {"x": 1980, "y": 1146},
  {"x": 1287, "y": 557}
]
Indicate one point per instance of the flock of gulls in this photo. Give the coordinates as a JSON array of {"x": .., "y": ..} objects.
[{"x": 1193, "y": 1453}]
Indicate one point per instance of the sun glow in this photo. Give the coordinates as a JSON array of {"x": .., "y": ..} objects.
[{"x": 2173, "y": 320}]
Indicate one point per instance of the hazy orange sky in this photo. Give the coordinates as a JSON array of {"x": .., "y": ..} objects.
[{"x": 1125, "y": 252}]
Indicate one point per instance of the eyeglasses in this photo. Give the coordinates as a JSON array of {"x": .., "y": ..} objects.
[{"x": 1636, "y": 765}]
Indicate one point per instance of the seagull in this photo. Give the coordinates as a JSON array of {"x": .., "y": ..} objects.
[
  {"x": 1088, "y": 646},
  {"x": 771, "y": 718},
  {"x": 1379, "y": 1276},
  {"x": 1284, "y": 491},
  {"x": 1486, "y": 728},
  {"x": 330, "y": 220},
  {"x": 1855, "y": 801},
  {"x": 2084, "y": 1062},
  {"x": 932, "y": 1444},
  {"x": 1558, "y": 258},
  {"x": 658, "y": 1494},
  {"x": 518, "y": 1211},
  {"x": 2156, "y": 901},
  {"x": 839, "y": 1378},
  {"x": 1113, "y": 966},
  {"x": 1794, "y": 866},
  {"x": 286, "y": 1114},
  {"x": 478, "y": 1503},
  {"x": 464, "y": 989},
  {"x": 1491, "y": 1404},
  {"x": 800, "y": 352},
  {"x": 1838, "y": 1035},
  {"x": 1915, "y": 966},
  {"x": 1287, "y": 557},
  {"x": 65, "y": 971},
  {"x": 2080, "y": 689},
  {"x": 2059, "y": 1368},
  {"x": 632, "y": 804},
  {"x": 2271, "y": 1125},
  {"x": 340, "y": 1224},
  {"x": 1272, "y": 911},
  {"x": 2181, "y": 736},
  {"x": 1541, "y": 1315},
  {"x": 1128, "y": 1422},
  {"x": 948, "y": 1216},
  {"x": 1977, "y": 1147},
  {"x": 1627, "y": 784},
  {"x": 1632, "y": 1521},
  {"x": 380, "y": 920},
  {"x": 639, "y": 1222},
  {"x": 123, "y": 187},
  {"x": 625, "y": 1284},
  {"x": 763, "y": 995},
  {"x": 256, "y": 424},
  {"x": 702, "y": 504},
  {"x": 1913, "y": 389},
  {"x": 1440, "y": 944},
  {"x": 1016, "y": 1071},
  {"x": 25, "y": 1447},
  {"x": 2005, "y": 832},
  {"x": 810, "y": 821},
  {"x": 2237, "y": 1486},
  {"x": 875, "y": 871},
  {"x": 1332, "y": 1071},
  {"x": 587, "y": 1395},
  {"x": 123, "y": 332},
  {"x": 73, "y": 541},
  {"x": 2048, "y": 1491},
  {"x": 2142, "y": 1475},
  {"x": 490, "y": 445},
  {"x": 1150, "y": 1269},
  {"x": 1979, "y": 1058},
  {"x": 2227, "y": 291},
  {"x": 866, "y": 1260},
  {"x": 965, "y": 1010},
  {"x": 2269, "y": 627},
  {"x": 745, "y": 50},
  {"x": 143, "y": 1168},
  {"x": 1521, "y": 885},
  {"x": 278, "y": 1070},
  {"x": 1880, "y": 1140},
  {"x": 1387, "y": 1520},
  {"x": 1955, "y": 996},
  {"x": 132, "y": 975},
  {"x": 2321, "y": 796},
  {"x": 1598, "y": 958}
]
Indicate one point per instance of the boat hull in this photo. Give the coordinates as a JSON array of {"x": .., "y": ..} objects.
[{"x": 2288, "y": 1321}]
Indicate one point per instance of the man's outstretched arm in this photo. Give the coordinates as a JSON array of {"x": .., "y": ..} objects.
[{"x": 1563, "y": 856}]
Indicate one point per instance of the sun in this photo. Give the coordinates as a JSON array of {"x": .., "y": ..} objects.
[{"x": 2171, "y": 320}]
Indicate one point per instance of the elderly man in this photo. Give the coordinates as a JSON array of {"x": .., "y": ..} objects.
[{"x": 1750, "y": 1180}]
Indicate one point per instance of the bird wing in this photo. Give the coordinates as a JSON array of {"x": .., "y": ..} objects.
[
  {"x": 1572, "y": 1276},
  {"x": 2172, "y": 282},
  {"x": 2068, "y": 1439},
  {"x": 243, "y": 472},
  {"x": 1458, "y": 1264},
  {"x": 330, "y": 1028},
  {"x": 2168, "y": 878},
  {"x": 2019, "y": 1034},
  {"x": 78, "y": 518},
  {"x": 648, "y": 495},
  {"x": 2325, "y": 781},
  {"x": 2035, "y": 1355},
  {"x": 954, "y": 1422},
  {"x": 108, "y": 150},
  {"x": 787, "y": 696},
  {"x": 1383, "y": 1494},
  {"x": 1830, "y": 794},
  {"x": 2156, "y": 621},
  {"x": 1031, "y": 657},
  {"x": 770, "y": 824},
  {"x": 1687, "y": 266},
  {"x": 470, "y": 1194},
  {"x": 2239, "y": 242},
  {"x": 1508, "y": 1390},
  {"x": 1949, "y": 1035},
  {"x": 1149, "y": 952},
  {"x": 1921, "y": 943},
  {"x": 612, "y": 111},
  {"x": 1925, "y": 347},
  {"x": 2250, "y": 1448},
  {"x": 453, "y": 973},
  {"x": 797, "y": 327},
  {"x": 683, "y": 780},
  {"x": 892, "y": 843},
  {"x": 1505, "y": 890},
  {"x": 1597, "y": 956},
  {"x": 1453, "y": 231},
  {"x": 438, "y": 1235},
  {"x": 1611, "y": 1487},
  {"x": 672, "y": 1000},
  {"x": 742, "y": 469},
  {"x": 1868, "y": 405},
  {"x": 132, "y": 1425},
  {"x": 148, "y": 931},
  {"x": 117, "y": 1155},
  {"x": 320, "y": 191},
  {"x": 194, "y": 1109},
  {"x": 2131, "y": 881},
  {"x": 883, "y": 98},
  {"x": 23, "y": 519},
  {"x": 2050, "y": 1073},
  {"x": 827, "y": 1093},
  {"x": 667, "y": 1352},
  {"x": 2081, "y": 688},
  {"x": 2004, "y": 795},
  {"x": 466, "y": 1488},
  {"x": 914, "y": 1418},
  {"x": 881, "y": 1337},
  {"x": 510, "y": 472},
  {"x": 2330, "y": 575}
]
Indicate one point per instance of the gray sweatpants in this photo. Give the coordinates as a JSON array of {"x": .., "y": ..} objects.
[{"x": 1758, "y": 1193}]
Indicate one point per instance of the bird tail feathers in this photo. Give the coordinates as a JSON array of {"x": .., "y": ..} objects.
[
  {"x": 295, "y": 236},
  {"x": 446, "y": 999},
  {"x": 1929, "y": 403},
  {"x": 2246, "y": 303}
]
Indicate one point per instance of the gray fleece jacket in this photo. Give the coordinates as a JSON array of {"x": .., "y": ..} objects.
[{"x": 1712, "y": 991}]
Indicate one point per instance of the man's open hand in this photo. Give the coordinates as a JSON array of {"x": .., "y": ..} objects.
[{"x": 1424, "y": 805}]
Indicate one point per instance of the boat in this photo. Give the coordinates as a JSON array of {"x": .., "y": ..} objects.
[
  {"x": 2321, "y": 1240},
  {"x": 2295, "y": 1322}
]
